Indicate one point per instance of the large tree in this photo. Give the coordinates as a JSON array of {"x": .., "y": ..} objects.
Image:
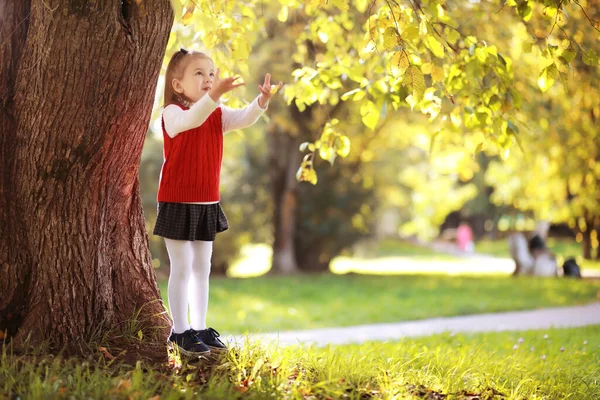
[{"x": 77, "y": 86}]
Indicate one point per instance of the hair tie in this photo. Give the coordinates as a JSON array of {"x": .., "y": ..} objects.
[{"x": 183, "y": 51}]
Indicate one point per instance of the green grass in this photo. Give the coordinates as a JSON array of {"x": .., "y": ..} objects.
[
  {"x": 562, "y": 248},
  {"x": 390, "y": 248},
  {"x": 272, "y": 303},
  {"x": 563, "y": 365}
]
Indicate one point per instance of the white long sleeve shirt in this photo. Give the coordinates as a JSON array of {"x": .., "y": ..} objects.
[{"x": 177, "y": 120}]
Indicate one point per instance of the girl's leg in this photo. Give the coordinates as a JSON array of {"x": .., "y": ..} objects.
[
  {"x": 199, "y": 283},
  {"x": 180, "y": 256}
]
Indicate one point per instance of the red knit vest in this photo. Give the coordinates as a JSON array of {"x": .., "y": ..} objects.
[{"x": 191, "y": 170}]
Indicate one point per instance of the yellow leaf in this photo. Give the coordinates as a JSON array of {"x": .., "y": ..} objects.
[
  {"x": 177, "y": 8},
  {"x": 341, "y": 4},
  {"x": 187, "y": 17},
  {"x": 240, "y": 48},
  {"x": 437, "y": 73},
  {"x": 547, "y": 77},
  {"x": 399, "y": 63},
  {"x": 390, "y": 38},
  {"x": 434, "y": 46},
  {"x": 347, "y": 95},
  {"x": 414, "y": 79},
  {"x": 172, "y": 40},
  {"x": 342, "y": 145},
  {"x": 370, "y": 114},
  {"x": 283, "y": 14}
]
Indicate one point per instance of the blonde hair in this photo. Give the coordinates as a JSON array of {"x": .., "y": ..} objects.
[{"x": 175, "y": 70}]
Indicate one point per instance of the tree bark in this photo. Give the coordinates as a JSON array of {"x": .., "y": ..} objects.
[
  {"x": 78, "y": 83},
  {"x": 284, "y": 159},
  {"x": 586, "y": 244}
]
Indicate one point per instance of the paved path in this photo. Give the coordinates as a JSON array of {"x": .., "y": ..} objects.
[{"x": 561, "y": 317}]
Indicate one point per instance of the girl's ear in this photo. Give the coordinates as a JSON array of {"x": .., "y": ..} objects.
[{"x": 177, "y": 85}]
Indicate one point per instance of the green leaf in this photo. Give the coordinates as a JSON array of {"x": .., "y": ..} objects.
[
  {"x": 569, "y": 54},
  {"x": 552, "y": 48},
  {"x": 513, "y": 127},
  {"x": 590, "y": 58},
  {"x": 415, "y": 81},
  {"x": 399, "y": 63}
]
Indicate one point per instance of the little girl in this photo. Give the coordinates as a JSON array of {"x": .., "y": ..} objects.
[{"x": 189, "y": 213}]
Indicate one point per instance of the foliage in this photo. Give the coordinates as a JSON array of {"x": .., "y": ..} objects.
[
  {"x": 465, "y": 66},
  {"x": 383, "y": 54}
]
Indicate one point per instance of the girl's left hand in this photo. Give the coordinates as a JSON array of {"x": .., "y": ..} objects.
[{"x": 267, "y": 91}]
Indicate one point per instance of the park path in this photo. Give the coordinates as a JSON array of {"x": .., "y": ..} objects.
[{"x": 560, "y": 317}]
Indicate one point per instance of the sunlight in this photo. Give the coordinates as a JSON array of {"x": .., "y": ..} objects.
[{"x": 255, "y": 260}]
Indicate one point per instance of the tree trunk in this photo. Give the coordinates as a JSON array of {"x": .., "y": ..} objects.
[
  {"x": 586, "y": 244},
  {"x": 285, "y": 159},
  {"x": 78, "y": 84}
]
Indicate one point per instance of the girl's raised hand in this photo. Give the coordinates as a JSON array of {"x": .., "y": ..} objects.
[
  {"x": 222, "y": 86},
  {"x": 267, "y": 91}
]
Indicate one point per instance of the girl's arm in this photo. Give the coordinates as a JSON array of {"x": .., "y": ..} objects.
[
  {"x": 243, "y": 117},
  {"x": 237, "y": 119},
  {"x": 178, "y": 120}
]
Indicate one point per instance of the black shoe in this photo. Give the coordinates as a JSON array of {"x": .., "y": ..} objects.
[
  {"x": 210, "y": 338},
  {"x": 189, "y": 344}
]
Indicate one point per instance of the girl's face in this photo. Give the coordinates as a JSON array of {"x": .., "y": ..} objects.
[{"x": 197, "y": 79}]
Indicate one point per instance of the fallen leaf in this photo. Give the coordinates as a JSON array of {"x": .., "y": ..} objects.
[{"x": 106, "y": 353}]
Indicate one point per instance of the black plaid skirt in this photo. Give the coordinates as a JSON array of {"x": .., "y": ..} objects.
[{"x": 181, "y": 221}]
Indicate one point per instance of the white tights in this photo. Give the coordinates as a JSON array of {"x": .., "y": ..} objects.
[{"x": 188, "y": 282}]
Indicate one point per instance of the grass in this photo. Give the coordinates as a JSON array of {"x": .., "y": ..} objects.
[
  {"x": 562, "y": 248},
  {"x": 392, "y": 247},
  {"x": 547, "y": 364},
  {"x": 272, "y": 303}
]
